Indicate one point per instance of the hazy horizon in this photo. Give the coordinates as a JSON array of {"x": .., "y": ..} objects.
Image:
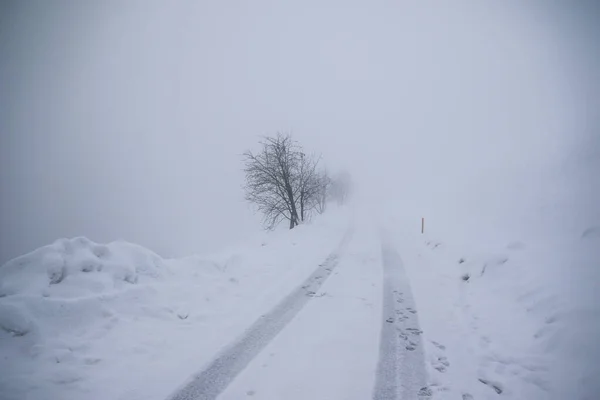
[{"x": 127, "y": 120}]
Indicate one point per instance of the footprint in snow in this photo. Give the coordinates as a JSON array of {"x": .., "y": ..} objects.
[
  {"x": 494, "y": 386},
  {"x": 425, "y": 392},
  {"x": 411, "y": 345},
  {"x": 439, "y": 346},
  {"x": 441, "y": 364}
]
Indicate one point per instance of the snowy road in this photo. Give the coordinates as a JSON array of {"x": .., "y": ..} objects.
[
  {"x": 401, "y": 369},
  {"x": 357, "y": 338}
]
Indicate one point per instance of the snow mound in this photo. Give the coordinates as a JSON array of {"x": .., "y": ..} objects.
[
  {"x": 81, "y": 320},
  {"x": 517, "y": 320},
  {"x": 71, "y": 268},
  {"x": 58, "y": 300}
]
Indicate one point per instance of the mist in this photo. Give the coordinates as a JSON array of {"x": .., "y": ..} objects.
[{"x": 127, "y": 121}]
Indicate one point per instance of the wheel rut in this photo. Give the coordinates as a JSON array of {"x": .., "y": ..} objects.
[{"x": 220, "y": 372}]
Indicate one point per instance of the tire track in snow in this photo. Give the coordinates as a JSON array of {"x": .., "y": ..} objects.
[
  {"x": 220, "y": 372},
  {"x": 401, "y": 366}
]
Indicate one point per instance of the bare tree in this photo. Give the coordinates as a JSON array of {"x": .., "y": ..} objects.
[
  {"x": 271, "y": 176},
  {"x": 323, "y": 187},
  {"x": 307, "y": 184}
]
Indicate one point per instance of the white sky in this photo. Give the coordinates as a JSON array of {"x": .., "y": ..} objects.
[{"x": 127, "y": 119}]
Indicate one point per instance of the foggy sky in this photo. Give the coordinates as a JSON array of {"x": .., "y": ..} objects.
[{"x": 126, "y": 120}]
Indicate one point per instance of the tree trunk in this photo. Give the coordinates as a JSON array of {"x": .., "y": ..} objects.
[{"x": 294, "y": 212}]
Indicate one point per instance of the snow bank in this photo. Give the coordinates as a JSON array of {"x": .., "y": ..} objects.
[
  {"x": 71, "y": 268},
  {"x": 85, "y": 320},
  {"x": 515, "y": 317},
  {"x": 56, "y": 300}
]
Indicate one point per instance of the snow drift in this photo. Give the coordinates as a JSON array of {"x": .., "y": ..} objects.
[
  {"x": 512, "y": 317},
  {"x": 71, "y": 268},
  {"x": 80, "y": 319}
]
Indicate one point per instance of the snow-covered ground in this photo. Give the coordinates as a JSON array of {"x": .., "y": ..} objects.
[
  {"x": 330, "y": 350},
  {"x": 498, "y": 318},
  {"x": 80, "y": 320},
  {"x": 514, "y": 317}
]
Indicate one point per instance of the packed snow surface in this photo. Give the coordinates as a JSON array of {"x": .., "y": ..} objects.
[
  {"x": 485, "y": 318},
  {"x": 84, "y": 320}
]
